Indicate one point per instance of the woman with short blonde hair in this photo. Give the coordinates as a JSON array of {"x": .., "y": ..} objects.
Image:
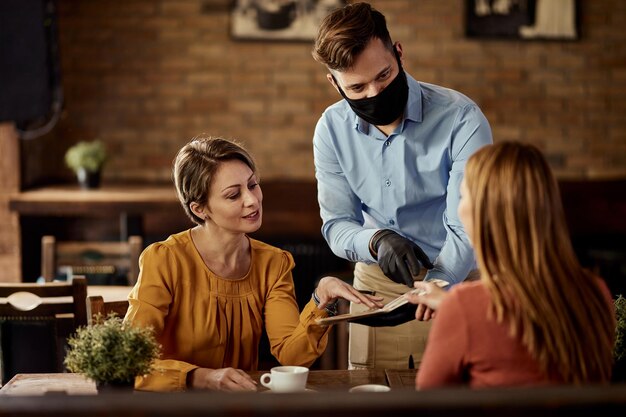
[{"x": 210, "y": 291}]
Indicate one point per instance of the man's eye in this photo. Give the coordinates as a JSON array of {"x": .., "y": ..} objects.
[{"x": 357, "y": 89}]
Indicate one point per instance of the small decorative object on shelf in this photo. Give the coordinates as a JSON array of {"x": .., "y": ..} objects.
[
  {"x": 112, "y": 353},
  {"x": 86, "y": 159}
]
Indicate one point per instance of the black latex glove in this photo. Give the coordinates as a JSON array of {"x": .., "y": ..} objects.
[
  {"x": 398, "y": 257},
  {"x": 398, "y": 316}
]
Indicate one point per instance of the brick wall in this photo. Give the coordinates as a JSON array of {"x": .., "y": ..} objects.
[{"x": 147, "y": 75}]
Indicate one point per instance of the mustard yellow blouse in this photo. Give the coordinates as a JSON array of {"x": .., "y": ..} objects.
[{"x": 203, "y": 320}]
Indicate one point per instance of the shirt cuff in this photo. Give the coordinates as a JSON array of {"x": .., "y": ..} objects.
[
  {"x": 436, "y": 273},
  {"x": 167, "y": 375},
  {"x": 310, "y": 312},
  {"x": 362, "y": 244}
]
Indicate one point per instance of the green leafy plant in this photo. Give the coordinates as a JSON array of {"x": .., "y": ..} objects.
[
  {"x": 89, "y": 156},
  {"x": 619, "y": 351},
  {"x": 110, "y": 351}
]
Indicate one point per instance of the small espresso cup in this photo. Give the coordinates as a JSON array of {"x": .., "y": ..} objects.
[{"x": 286, "y": 378}]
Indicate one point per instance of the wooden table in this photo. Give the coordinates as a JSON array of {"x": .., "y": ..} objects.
[
  {"x": 40, "y": 384},
  {"x": 65, "y": 200},
  {"x": 127, "y": 201},
  {"x": 551, "y": 401},
  {"x": 332, "y": 380},
  {"x": 327, "y": 380}
]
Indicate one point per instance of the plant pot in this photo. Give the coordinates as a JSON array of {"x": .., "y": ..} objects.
[
  {"x": 87, "y": 179},
  {"x": 115, "y": 386}
]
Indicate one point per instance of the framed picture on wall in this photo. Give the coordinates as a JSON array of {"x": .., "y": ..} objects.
[
  {"x": 281, "y": 20},
  {"x": 523, "y": 19}
]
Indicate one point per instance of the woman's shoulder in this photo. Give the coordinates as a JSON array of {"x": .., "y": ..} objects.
[
  {"x": 259, "y": 246},
  {"x": 469, "y": 288},
  {"x": 264, "y": 252},
  {"x": 176, "y": 243},
  {"x": 468, "y": 294},
  {"x": 465, "y": 307}
]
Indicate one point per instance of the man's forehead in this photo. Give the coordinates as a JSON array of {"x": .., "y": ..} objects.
[{"x": 373, "y": 60}]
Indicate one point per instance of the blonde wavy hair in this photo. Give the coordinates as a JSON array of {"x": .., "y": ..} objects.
[{"x": 528, "y": 265}]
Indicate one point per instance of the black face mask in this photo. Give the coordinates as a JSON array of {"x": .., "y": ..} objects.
[{"x": 386, "y": 106}]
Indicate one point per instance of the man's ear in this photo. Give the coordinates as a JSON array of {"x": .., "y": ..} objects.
[
  {"x": 398, "y": 47},
  {"x": 332, "y": 81}
]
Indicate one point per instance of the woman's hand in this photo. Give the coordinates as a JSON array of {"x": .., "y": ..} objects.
[
  {"x": 331, "y": 288},
  {"x": 428, "y": 299},
  {"x": 224, "y": 379}
]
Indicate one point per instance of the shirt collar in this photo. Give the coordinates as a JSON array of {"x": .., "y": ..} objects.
[{"x": 413, "y": 109}]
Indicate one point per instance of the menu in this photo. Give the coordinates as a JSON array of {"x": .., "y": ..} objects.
[{"x": 390, "y": 306}]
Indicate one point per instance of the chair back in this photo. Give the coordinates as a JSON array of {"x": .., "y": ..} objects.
[
  {"x": 35, "y": 321},
  {"x": 96, "y": 305},
  {"x": 101, "y": 262},
  {"x": 49, "y": 299}
]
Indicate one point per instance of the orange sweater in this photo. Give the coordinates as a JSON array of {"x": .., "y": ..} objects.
[
  {"x": 203, "y": 320},
  {"x": 465, "y": 347}
]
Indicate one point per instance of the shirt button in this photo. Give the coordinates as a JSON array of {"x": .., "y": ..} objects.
[
  {"x": 387, "y": 183},
  {"x": 387, "y": 143},
  {"x": 392, "y": 222}
]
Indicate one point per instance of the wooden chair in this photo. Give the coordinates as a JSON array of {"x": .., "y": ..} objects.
[
  {"x": 35, "y": 321},
  {"x": 96, "y": 305},
  {"x": 93, "y": 259}
]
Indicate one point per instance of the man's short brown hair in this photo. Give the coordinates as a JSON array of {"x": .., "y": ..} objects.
[{"x": 345, "y": 33}]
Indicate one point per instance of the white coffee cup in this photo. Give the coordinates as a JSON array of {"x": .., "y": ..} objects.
[
  {"x": 370, "y": 388},
  {"x": 286, "y": 378}
]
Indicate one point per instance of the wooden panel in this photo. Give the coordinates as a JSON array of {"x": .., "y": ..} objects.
[
  {"x": 10, "y": 261},
  {"x": 594, "y": 206},
  {"x": 290, "y": 208}
]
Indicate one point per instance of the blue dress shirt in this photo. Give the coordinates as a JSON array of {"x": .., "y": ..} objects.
[{"x": 408, "y": 182}]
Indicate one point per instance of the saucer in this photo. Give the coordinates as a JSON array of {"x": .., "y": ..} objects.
[
  {"x": 289, "y": 392},
  {"x": 370, "y": 388}
]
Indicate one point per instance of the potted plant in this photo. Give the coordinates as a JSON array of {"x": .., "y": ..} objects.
[
  {"x": 619, "y": 350},
  {"x": 111, "y": 352},
  {"x": 86, "y": 160}
]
